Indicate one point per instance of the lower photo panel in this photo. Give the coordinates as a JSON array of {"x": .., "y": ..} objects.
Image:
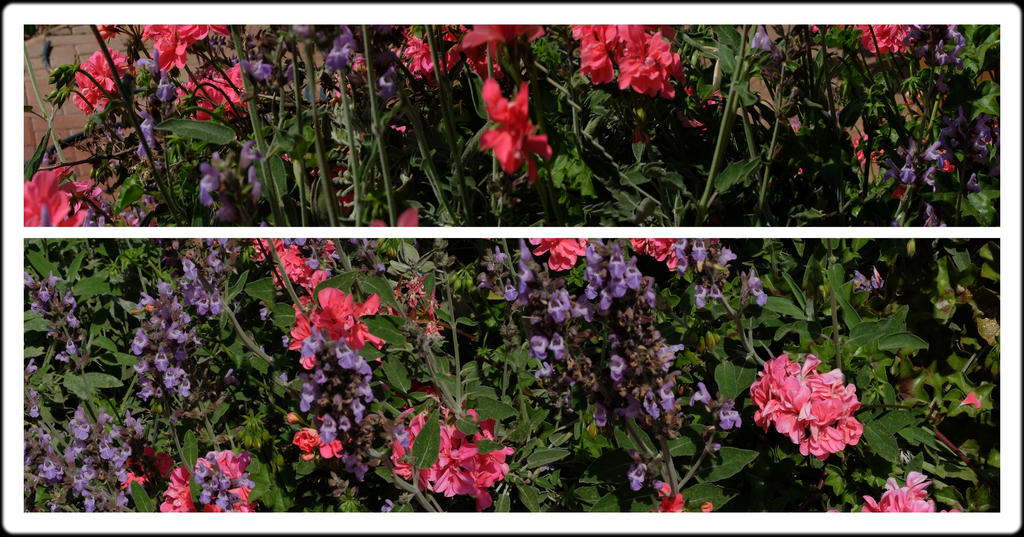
[{"x": 522, "y": 375}]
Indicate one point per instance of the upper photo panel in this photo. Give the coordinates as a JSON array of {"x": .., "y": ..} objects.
[{"x": 529, "y": 125}]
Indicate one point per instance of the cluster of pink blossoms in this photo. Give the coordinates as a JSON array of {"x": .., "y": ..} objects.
[
  {"x": 645, "y": 59},
  {"x": 48, "y": 203},
  {"x": 660, "y": 249},
  {"x": 172, "y": 40},
  {"x": 459, "y": 469},
  {"x": 339, "y": 314},
  {"x": 890, "y": 37},
  {"x": 910, "y": 498},
  {"x": 814, "y": 409},
  {"x": 89, "y": 96},
  {"x": 564, "y": 252},
  {"x": 213, "y": 91}
]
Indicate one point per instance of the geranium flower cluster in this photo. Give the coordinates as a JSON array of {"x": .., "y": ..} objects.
[
  {"x": 889, "y": 37},
  {"x": 307, "y": 262},
  {"x": 92, "y": 467},
  {"x": 163, "y": 344},
  {"x": 171, "y": 41},
  {"x": 460, "y": 468},
  {"x": 224, "y": 485},
  {"x": 213, "y": 91},
  {"x": 57, "y": 307},
  {"x": 631, "y": 378},
  {"x": 91, "y": 94},
  {"x": 420, "y": 62},
  {"x": 512, "y": 140},
  {"x": 235, "y": 184},
  {"x": 910, "y": 498},
  {"x": 48, "y": 202},
  {"x": 643, "y": 55},
  {"x": 814, "y": 409}
]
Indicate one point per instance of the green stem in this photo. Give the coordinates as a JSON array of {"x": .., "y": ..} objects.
[
  {"x": 449, "y": 125},
  {"x": 835, "y": 313},
  {"x": 277, "y": 206},
  {"x": 49, "y": 112},
  {"x": 728, "y": 117},
  {"x": 353, "y": 152},
  {"x": 375, "y": 127},
  {"x": 321, "y": 156}
]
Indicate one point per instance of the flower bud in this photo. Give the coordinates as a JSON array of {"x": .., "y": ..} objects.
[{"x": 293, "y": 418}]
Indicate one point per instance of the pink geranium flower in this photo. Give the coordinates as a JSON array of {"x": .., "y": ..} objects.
[
  {"x": 814, "y": 409},
  {"x": 495, "y": 34},
  {"x": 891, "y": 37},
  {"x": 512, "y": 140},
  {"x": 597, "y": 44},
  {"x": 171, "y": 41},
  {"x": 910, "y": 498},
  {"x": 89, "y": 97},
  {"x": 563, "y": 251},
  {"x": 178, "y": 497},
  {"x": 660, "y": 249},
  {"x": 223, "y": 93},
  {"x": 48, "y": 203},
  {"x": 460, "y": 469},
  {"x": 339, "y": 314},
  {"x": 646, "y": 63}
]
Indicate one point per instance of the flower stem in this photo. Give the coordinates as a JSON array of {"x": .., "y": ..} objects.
[
  {"x": 321, "y": 155},
  {"x": 375, "y": 127},
  {"x": 276, "y": 206},
  {"x": 449, "y": 124}
]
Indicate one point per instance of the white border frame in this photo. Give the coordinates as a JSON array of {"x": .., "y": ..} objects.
[{"x": 1006, "y": 14}]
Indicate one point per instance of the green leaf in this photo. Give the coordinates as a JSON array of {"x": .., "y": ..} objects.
[
  {"x": 544, "y": 456},
  {"x": 728, "y": 35},
  {"x": 104, "y": 343},
  {"x": 32, "y": 166},
  {"x": 798, "y": 293},
  {"x": 85, "y": 385},
  {"x": 396, "y": 373},
  {"x": 342, "y": 281},
  {"x": 261, "y": 290},
  {"x": 386, "y": 328},
  {"x": 142, "y": 502},
  {"x": 784, "y": 306},
  {"x": 491, "y": 408},
  {"x": 734, "y": 173},
  {"x": 707, "y": 492},
  {"x": 42, "y": 266},
  {"x": 190, "y": 449},
  {"x": 608, "y": 503},
  {"x": 284, "y": 315},
  {"x": 206, "y": 131},
  {"x": 237, "y": 286},
  {"x": 278, "y": 175},
  {"x": 427, "y": 446},
  {"x": 129, "y": 193},
  {"x": 880, "y": 441},
  {"x": 35, "y": 322},
  {"x": 732, "y": 380},
  {"x": 93, "y": 285},
  {"x": 835, "y": 279},
  {"x": 529, "y": 496},
  {"x": 733, "y": 460},
  {"x": 382, "y": 289},
  {"x": 901, "y": 340},
  {"x": 485, "y": 446},
  {"x": 466, "y": 425}
]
